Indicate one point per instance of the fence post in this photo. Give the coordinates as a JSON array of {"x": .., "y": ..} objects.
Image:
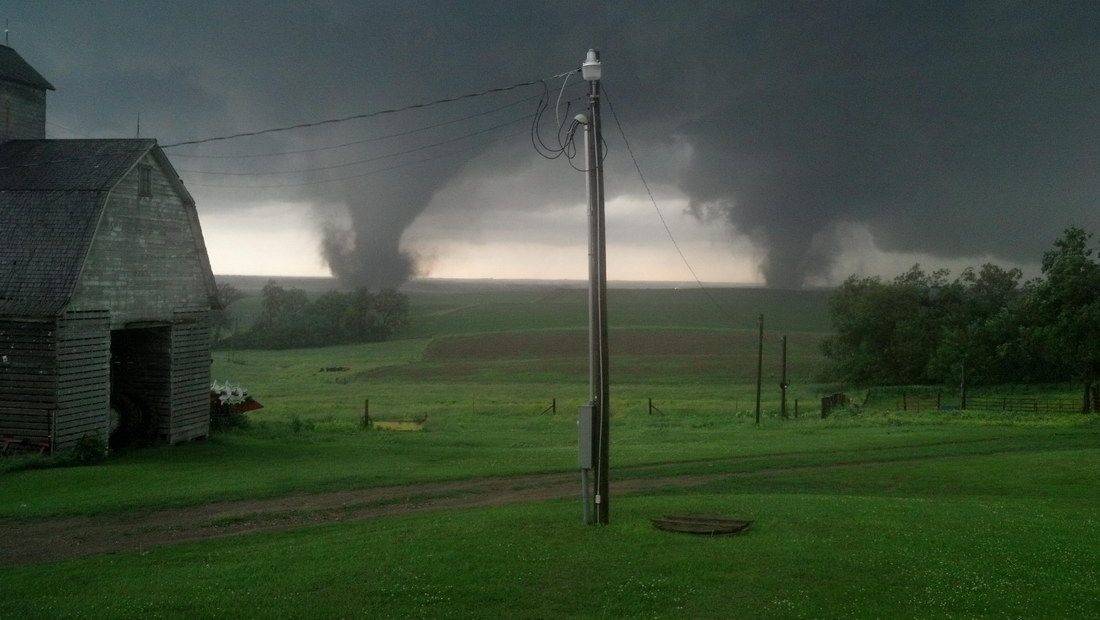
[
  {"x": 796, "y": 407},
  {"x": 554, "y": 405},
  {"x": 366, "y": 421},
  {"x": 904, "y": 401},
  {"x": 650, "y": 406},
  {"x": 962, "y": 388}
]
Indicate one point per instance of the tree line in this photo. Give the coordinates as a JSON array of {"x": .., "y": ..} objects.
[
  {"x": 985, "y": 326},
  {"x": 289, "y": 318}
]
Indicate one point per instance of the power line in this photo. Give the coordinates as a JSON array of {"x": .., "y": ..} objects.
[
  {"x": 362, "y": 141},
  {"x": 367, "y": 173},
  {"x": 334, "y": 166},
  {"x": 362, "y": 115},
  {"x": 660, "y": 215},
  {"x": 366, "y": 160}
]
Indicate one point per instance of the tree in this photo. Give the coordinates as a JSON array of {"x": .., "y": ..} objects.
[
  {"x": 288, "y": 318},
  {"x": 1064, "y": 307},
  {"x": 887, "y": 332},
  {"x": 973, "y": 328},
  {"x": 984, "y": 325},
  {"x": 227, "y": 295}
]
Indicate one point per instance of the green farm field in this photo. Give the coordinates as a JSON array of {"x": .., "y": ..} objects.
[{"x": 872, "y": 512}]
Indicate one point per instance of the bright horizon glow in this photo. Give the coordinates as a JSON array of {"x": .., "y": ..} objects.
[{"x": 283, "y": 240}]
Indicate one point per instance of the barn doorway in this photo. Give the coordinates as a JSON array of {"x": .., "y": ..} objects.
[{"x": 141, "y": 384}]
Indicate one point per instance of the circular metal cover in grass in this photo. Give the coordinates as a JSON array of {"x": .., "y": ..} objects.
[{"x": 701, "y": 524}]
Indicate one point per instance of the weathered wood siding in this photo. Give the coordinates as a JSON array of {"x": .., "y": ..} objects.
[
  {"x": 22, "y": 112},
  {"x": 146, "y": 266},
  {"x": 28, "y": 380},
  {"x": 144, "y": 262},
  {"x": 83, "y": 377},
  {"x": 190, "y": 376}
]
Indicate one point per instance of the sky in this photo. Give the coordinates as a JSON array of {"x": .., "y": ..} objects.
[{"x": 787, "y": 144}]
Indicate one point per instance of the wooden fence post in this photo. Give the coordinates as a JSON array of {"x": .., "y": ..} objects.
[
  {"x": 904, "y": 401},
  {"x": 796, "y": 407},
  {"x": 366, "y": 422}
]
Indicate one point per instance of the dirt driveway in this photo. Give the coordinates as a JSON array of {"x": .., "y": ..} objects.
[{"x": 29, "y": 542}]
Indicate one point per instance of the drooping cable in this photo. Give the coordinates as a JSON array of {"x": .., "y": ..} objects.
[
  {"x": 664, "y": 223},
  {"x": 367, "y": 173},
  {"x": 363, "y": 115},
  {"x": 341, "y": 145},
  {"x": 365, "y": 160}
]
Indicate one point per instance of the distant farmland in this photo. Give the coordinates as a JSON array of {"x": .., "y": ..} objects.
[{"x": 478, "y": 307}]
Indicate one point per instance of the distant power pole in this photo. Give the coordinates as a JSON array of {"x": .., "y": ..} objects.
[
  {"x": 595, "y": 418},
  {"x": 783, "y": 380},
  {"x": 759, "y": 363}
]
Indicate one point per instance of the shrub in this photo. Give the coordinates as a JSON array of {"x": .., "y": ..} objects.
[{"x": 91, "y": 449}]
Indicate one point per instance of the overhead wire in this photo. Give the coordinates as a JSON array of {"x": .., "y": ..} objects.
[
  {"x": 365, "y": 160},
  {"x": 341, "y": 145},
  {"x": 664, "y": 223},
  {"x": 364, "y": 115},
  {"x": 541, "y": 96},
  {"x": 367, "y": 173}
]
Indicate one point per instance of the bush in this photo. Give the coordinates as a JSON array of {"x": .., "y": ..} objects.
[
  {"x": 299, "y": 426},
  {"x": 91, "y": 449},
  {"x": 225, "y": 420}
]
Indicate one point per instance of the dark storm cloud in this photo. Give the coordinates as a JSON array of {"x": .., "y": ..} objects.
[{"x": 954, "y": 129}]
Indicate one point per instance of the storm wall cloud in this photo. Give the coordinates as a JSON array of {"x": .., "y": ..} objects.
[{"x": 951, "y": 130}]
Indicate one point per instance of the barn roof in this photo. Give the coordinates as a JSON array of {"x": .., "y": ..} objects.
[
  {"x": 52, "y": 193},
  {"x": 44, "y": 236},
  {"x": 66, "y": 165},
  {"x": 14, "y": 69}
]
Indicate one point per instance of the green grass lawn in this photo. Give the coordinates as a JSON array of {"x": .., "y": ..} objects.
[
  {"x": 872, "y": 512},
  {"x": 1005, "y": 535},
  {"x": 308, "y": 437}
]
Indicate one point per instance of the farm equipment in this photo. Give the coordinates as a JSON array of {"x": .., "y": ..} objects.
[{"x": 228, "y": 400}]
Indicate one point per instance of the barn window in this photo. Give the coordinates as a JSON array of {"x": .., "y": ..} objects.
[{"x": 146, "y": 181}]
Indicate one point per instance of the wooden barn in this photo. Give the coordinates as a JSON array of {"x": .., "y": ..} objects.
[{"x": 105, "y": 283}]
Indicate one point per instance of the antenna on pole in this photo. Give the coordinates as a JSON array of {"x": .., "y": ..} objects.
[
  {"x": 137, "y": 133},
  {"x": 7, "y": 31}
]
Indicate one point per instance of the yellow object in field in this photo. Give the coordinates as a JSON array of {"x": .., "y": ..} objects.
[{"x": 383, "y": 425}]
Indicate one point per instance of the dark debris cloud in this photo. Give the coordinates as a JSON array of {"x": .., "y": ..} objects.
[{"x": 947, "y": 129}]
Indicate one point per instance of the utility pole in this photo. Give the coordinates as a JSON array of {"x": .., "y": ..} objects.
[
  {"x": 595, "y": 418},
  {"x": 783, "y": 381},
  {"x": 759, "y": 363}
]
